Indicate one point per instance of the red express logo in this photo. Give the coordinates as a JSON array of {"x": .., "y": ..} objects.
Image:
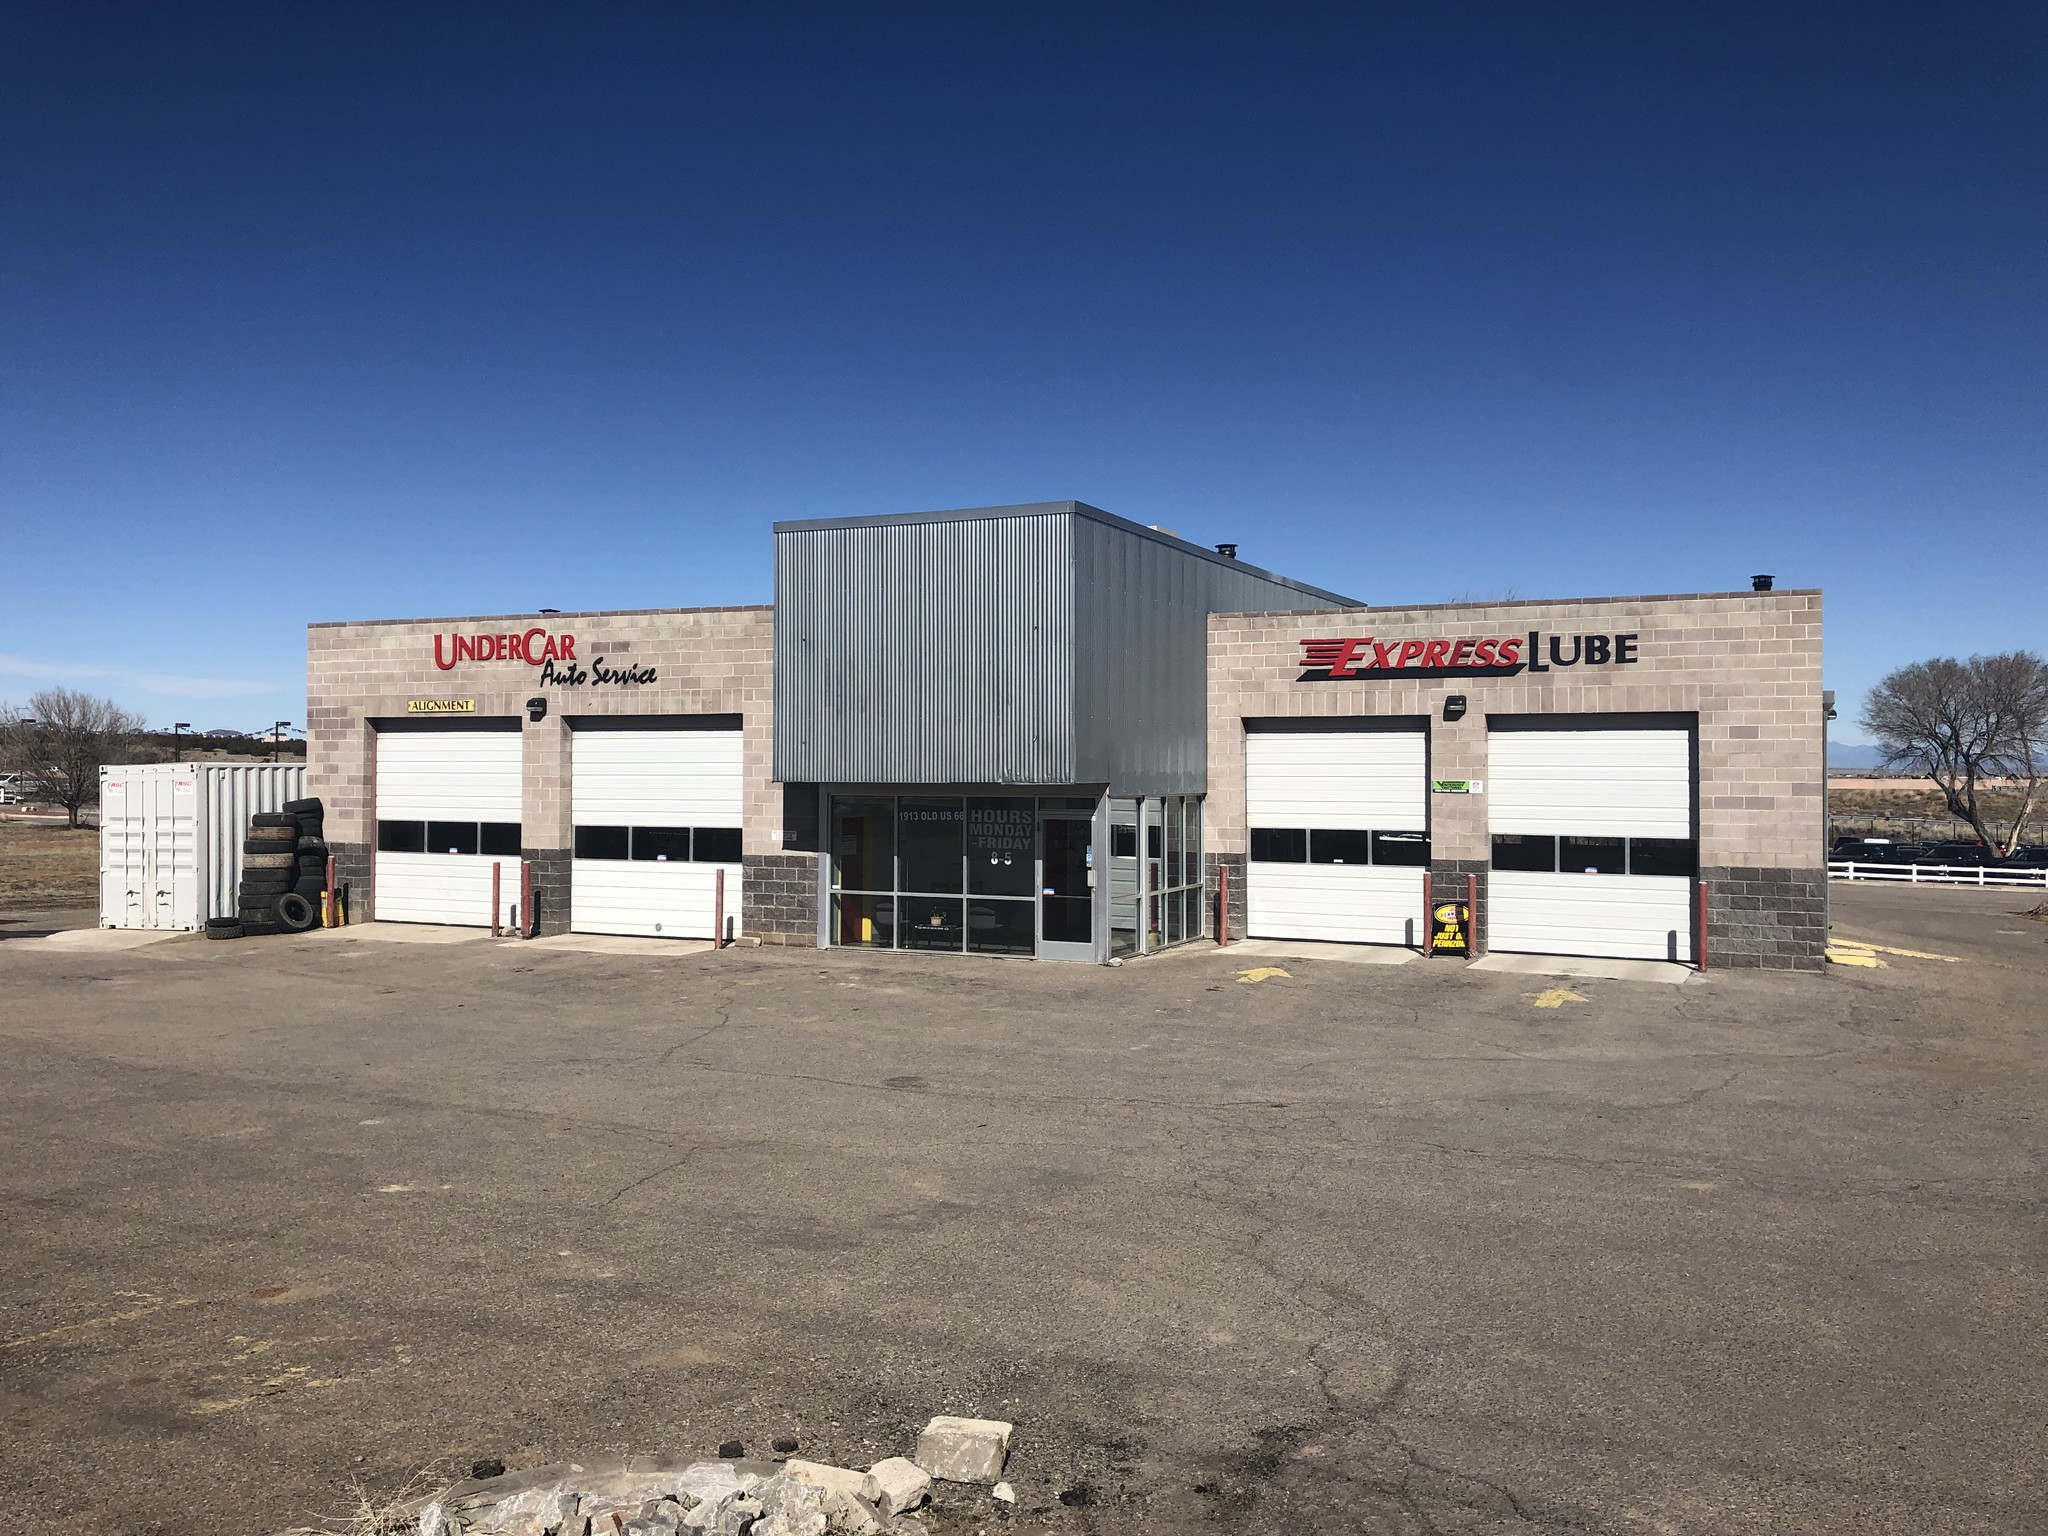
[
  {"x": 1328, "y": 661},
  {"x": 533, "y": 648}
]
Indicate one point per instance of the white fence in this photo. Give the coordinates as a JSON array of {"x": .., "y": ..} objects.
[{"x": 1943, "y": 874}]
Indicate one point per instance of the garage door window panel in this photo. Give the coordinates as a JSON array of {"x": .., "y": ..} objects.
[
  {"x": 1404, "y": 850},
  {"x": 1664, "y": 856},
  {"x": 661, "y": 845},
  {"x": 1592, "y": 855},
  {"x": 401, "y": 837},
  {"x": 603, "y": 842},
  {"x": 1279, "y": 845},
  {"x": 1524, "y": 852},
  {"x": 499, "y": 839},
  {"x": 1333, "y": 846},
  {"x": 715, "y": 845},
  {"x": 451, "y": 837}
]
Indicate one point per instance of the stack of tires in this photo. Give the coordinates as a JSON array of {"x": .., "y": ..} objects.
[{"x": 284, "y": 873}]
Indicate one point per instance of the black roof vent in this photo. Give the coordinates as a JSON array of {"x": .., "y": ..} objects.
[
  {"x": 1761, "y": 583},
  {"x": 1227, "y": 551}
]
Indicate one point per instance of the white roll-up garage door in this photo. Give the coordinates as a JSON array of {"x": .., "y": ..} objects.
[
  {"x": 657, "y": 816},
  {"x": 1594, "y": 850},
  {"x": 1339, "y": 834},
  {"x": 448, "y": 808}
]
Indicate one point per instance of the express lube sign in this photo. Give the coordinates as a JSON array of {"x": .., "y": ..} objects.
[{"x": 1344, "y": 658}]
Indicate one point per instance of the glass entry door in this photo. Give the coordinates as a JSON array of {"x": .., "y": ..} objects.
[{"x": 1066, "y": 897}]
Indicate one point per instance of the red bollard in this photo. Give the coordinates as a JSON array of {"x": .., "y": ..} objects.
[
  {"x": 327, "y": 912},
  {"x": 496, "y": 869},
  {"x": 525, "y": 900},
  {"x": 1701, "y": 958}
]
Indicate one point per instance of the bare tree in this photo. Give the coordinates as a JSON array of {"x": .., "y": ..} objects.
[
  {"x": 59, "y": 747},
  {"x": 1965, "y": 722}
]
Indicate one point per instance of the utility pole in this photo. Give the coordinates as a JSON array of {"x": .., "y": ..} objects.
[
  {"x": 178, "y": 730},
  {"x": 277, "y": 738}
]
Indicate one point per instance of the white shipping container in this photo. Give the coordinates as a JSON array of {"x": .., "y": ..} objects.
[{"x": 171, "y": 837}]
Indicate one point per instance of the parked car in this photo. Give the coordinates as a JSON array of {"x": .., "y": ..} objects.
[
  {"x": 1874, "y": 850},
  {"x": 2028, "y": 856},
  {"x": 1957, "y": 852}
]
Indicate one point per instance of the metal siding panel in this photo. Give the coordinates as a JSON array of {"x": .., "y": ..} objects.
[
  {"x": 233, "y": 792},
  {"x": 925, "y": 653},
  {"x": 1142, "y": 675}
]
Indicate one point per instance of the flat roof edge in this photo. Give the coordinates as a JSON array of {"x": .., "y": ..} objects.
[
  {"x": 1531, "y": 602},
  {"x": 566, "y": 613},
  {"x": 1068, "y": 509}
]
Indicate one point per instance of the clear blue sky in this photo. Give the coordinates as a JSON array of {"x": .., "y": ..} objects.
[{"x": 371, "y": 310}]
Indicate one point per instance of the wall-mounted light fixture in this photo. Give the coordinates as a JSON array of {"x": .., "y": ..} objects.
[
  {"x": 536, "y": 708},
  {"x": 1454, "y": 706}
]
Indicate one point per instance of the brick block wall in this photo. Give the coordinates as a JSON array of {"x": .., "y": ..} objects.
[
  {"x": 706, "y": 661},
  {"x": 548, "y": 869},
  {"x": 1745, "y": 665},
  {"x": 779, "y": 898},
  {"x": 1764, "y": 918}
]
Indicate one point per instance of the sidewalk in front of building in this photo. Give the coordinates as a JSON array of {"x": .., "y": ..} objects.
[
  {"x": 1521, "y": 965},
  {"x": 1577, "y": 965}
]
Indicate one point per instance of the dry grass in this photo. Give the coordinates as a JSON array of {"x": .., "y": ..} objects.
[
  {"x": 42, "y": 866},
  {"x": 396, "y": 1513},
  {"x": 1998, "y": 804}
]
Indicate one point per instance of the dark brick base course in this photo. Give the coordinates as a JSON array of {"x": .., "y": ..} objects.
[
  {"x": 354, "y": 867},
  {"x": 779, "y": 898},
  {"x": 1773, "y": 919},
  {"x": 549, "y": 871},
  {"x": 1447, "y": 883}
]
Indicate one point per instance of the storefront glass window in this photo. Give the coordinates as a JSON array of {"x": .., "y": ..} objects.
[
  {"x": 864, "y": 845},
  {"x": 931, "y": 922},
  {"x": 930, "y": 843},
  {"x": 1000, "y": 927},
  {"x": 1123, "y": 877},
  {"x": 999, "y": 833},
  {"x": 866, "y": 922},
  {"x": 901, "y": 862}
]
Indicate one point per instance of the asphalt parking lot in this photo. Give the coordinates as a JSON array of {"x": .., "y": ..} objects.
[{"x": 1353, "y": 1248}]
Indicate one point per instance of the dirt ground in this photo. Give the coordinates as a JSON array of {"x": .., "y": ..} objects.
[
  {"x": 1351, "y": 1248},
  {"x": 44, "y": 865}
]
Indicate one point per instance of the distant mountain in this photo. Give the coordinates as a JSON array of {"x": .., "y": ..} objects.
[{"x": 1854, "y": 754}]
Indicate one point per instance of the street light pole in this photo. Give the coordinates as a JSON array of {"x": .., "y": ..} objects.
[{"x": 178, "y": 729}]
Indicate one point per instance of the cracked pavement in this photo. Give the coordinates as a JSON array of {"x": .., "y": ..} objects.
[{"x": 1360, "y": 1249}]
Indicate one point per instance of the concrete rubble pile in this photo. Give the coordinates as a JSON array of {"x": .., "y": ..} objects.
[{"x": 653, "y": 1496}]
